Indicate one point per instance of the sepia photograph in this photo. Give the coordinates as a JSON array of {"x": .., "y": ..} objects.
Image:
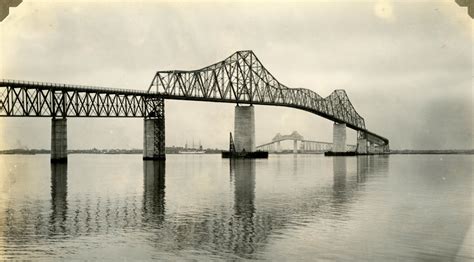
[{"x": 236, "y": 130}]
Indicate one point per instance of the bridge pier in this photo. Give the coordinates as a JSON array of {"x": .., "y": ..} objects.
[
  {"x": 339, "y": 137},
  {"x": 244, "y": 129},
  {"x": 362, "y": 143},
  {"x": 154, "y": 130},
  {"x": 295, "y": 149},
  {"x": 243, "y": 145},
  {"x": 372, "y": 148},
  {"x": 58, "y": 140}
]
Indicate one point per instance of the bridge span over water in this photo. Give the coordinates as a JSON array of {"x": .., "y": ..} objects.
[
  {"x": 241, "y": 79},
  {"x": 305, "y": 145}
]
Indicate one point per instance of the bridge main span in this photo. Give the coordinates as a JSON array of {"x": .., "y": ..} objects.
[
  {"x": 306, "y": 145},
  {"x": 239, "y": 79}
]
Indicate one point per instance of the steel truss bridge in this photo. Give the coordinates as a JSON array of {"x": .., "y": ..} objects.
[
  {"x": 241, "y": 79},
  {"x": 305, "y": 145}
]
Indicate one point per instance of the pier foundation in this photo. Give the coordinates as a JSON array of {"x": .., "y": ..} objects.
[
  {"x": 244, "y": 135},
  {"x": 339, "y": 137},
  {"x": 372, "y": 148},
  {"x": 154, "y": 130},
  {"x": 244, "y": 129},
  {"x": 58, "y": 140},
  {"x": 153, "y": 146},
  {"x": 362, "y": 143}
]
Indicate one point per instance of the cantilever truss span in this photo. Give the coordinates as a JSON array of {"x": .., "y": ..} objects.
[{"x": 242, "y": 78}]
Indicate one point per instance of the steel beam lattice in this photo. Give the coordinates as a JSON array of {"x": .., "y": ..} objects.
[
  {"x": 34, "y": 99},
  {"x": 241, "y": 78}
]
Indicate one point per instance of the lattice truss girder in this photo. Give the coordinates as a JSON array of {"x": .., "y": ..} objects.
[
  {"x": 242, "y": 78},
  {"x": 38, "y": 101}
]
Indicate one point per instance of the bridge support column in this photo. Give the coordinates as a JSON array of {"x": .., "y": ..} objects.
[
  {"x": 372, "y": 148},
  {"x": 295, "y": 149},
  {"x": 154, "y": 130},
  {"x": 59, "y": 140},
  {"x": 362, "y": 143},
  {"x": 339, "y": 137},
  {"x": 244, "y": 129}
]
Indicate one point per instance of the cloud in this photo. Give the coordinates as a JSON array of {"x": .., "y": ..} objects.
[{"x": 396, "y": 60}]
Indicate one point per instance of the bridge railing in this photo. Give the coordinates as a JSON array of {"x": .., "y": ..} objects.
[{"x": 70, "y": 86}]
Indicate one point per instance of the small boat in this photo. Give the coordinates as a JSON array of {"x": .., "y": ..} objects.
[{"x": 233, "y": 154}]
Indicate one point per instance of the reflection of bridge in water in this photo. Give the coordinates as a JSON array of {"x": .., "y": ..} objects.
[
  {"x": 241, "y": 232},
  {"x": 305, "y": 146}
]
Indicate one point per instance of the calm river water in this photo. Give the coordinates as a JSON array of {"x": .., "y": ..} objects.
[{"x": 286, "y": 208}]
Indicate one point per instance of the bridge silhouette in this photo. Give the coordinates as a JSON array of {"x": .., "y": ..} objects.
[
  {"x": 241, "y": 79},
  {"x": 306, "y": 146}
]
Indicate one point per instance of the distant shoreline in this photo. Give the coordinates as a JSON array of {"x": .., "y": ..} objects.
[
  {"x": 433, "y": 153},
  {"x": 211, "y": 151},
  {"x": 170, "y": 150}
]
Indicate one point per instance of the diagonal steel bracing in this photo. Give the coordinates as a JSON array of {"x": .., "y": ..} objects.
[{"x": 241, "y": 78}]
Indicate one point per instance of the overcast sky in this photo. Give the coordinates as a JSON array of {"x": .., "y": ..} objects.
[{"x": 406, "y": 65}]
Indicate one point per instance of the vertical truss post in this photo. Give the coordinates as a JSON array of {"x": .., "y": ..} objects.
[
  {"x": 58, "y": 127},
  {"x": 154, "y": 129}
]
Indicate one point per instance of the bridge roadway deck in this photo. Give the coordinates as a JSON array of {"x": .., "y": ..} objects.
[{"x": 40, "y": 99}]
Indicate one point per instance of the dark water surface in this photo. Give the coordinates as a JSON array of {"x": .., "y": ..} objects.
[{"x": 289, "y": 207}]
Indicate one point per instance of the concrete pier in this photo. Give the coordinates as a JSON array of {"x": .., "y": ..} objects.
[
  {"x": 371, "y": 148},
  {"x": 361, "y": 145},
  {"x": 295, "y": 149},
  {"x": 244, "y": 129},
  {"x": 154, "y": 139},
  {"x": 361, "y": 142},
  {"x": 58, "y": 140},
  {"x": 339, "y": 137}
]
